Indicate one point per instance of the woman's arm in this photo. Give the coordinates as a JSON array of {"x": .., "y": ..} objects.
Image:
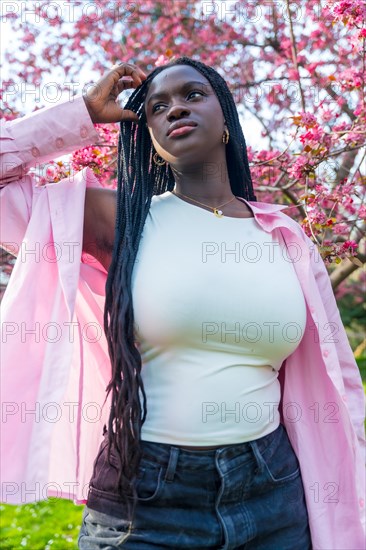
[
  {"x": 50, "y": 133},
  {"x": 65, "y": 127},
  {"x": 100, "y": 204},
  {"x": 30, "y": 141}
]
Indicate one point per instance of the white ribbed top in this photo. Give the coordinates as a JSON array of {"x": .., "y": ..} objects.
[{"x": 217, "y": 307}]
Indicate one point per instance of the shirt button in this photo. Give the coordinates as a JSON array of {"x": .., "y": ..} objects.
[
  {"x": 83, "y": 132},
  {"x": 361, "y": 502},
  {"x": 325, "y": 353},
  {"x": 59, "y": 143},
  {"x": 35, "y": 151}
]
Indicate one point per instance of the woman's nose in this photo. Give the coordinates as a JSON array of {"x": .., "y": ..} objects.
[{"x": 177, "y": 111}]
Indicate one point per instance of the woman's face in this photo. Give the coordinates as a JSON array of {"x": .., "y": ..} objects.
[{"x": 184, "y": 117}]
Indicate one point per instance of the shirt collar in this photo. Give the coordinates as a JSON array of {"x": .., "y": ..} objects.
[
  {"x": 266, "y": 214},
  {"x": 263, "y": 207}
]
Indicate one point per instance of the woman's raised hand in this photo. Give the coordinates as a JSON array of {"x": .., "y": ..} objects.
[{"x": 100, "y": 99}]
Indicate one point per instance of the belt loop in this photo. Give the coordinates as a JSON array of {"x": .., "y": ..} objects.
[
  {"x": 172, "y": 465},
  {"x": 257, "y": 454}
]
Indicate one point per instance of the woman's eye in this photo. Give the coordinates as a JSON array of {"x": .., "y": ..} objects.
[
  {"x": 195, "y": 92},
  {"x": 155, "y": 107}
]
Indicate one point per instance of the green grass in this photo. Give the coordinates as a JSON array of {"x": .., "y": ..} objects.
[
  {"x": 361, "y": 362},
  {"x": 51, "y": 524},
  {"x": 54, "y": 524}
]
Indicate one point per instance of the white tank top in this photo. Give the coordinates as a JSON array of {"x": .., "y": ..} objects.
[{"x": 217, "y": 307}]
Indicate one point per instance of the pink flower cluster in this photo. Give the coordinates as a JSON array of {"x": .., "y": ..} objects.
[
  {"x": 350, "y": 12},
  {"x": 102, "y": 159}
]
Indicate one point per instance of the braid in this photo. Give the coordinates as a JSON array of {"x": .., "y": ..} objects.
[{"x": 139, "y": 178}]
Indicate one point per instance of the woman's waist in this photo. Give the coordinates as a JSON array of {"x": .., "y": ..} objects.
[{"x": 160, "y": 451}]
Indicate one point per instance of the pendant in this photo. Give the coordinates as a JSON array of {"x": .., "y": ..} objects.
[{"x": 218, "y": 213}]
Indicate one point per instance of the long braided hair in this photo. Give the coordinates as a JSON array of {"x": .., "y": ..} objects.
[{"x": 139, "y": 178}]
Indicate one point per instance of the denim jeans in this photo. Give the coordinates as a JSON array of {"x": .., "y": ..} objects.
[{"x": 245, "y": 496}]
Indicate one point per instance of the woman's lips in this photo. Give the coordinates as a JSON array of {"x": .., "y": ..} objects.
[{"x": 183, "y": 130}]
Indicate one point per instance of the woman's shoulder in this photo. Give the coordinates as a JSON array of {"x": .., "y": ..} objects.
[
  {"x": 163, "y": 202},
  {"x": 162, "y": 198}
]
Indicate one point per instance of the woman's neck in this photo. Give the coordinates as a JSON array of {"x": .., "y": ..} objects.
[{"x": 209, "y": 183}]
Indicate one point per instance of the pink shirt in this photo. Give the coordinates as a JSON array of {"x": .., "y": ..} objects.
[{"x": 54, "y": 358}]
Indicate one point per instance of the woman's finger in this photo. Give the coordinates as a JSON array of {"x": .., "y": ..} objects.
[
  {"x": 101, "y": 97},
  {"x": 128, "y": 70},
  {"x": 129, "y": 115},
  {"x": 107, "y": 84},
  {"x": 125, "y": 84}
]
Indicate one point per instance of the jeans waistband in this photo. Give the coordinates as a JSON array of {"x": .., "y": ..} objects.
[{"x": 168, "y": 455}]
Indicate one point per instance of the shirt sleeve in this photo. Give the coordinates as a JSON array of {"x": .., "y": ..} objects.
[
  {"x": 30, "y": 141},
  {"x": 42, "y": 136}
]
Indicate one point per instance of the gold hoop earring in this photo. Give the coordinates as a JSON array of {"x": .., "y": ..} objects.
[
  {"x": 158, "y": 160},
  {"x": 225, "y": 136}
]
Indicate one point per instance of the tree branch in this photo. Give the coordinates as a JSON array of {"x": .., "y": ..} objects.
[
  {"x": 294, "y": 200},
  {"x": 344, "y": 107},
  {"x": 346, "y": 165},
  {"x": 294, "y": 54},
  {"x": 344, "y": 270}
]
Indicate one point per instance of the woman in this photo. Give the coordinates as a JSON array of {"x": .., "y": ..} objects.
[{"x": 210, "y": 394}]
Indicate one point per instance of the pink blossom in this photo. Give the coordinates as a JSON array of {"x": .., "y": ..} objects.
[{"x": 308, "y": 119}]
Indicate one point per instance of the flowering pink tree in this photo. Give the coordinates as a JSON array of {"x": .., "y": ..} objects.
[{"x": 296, "y": 69}]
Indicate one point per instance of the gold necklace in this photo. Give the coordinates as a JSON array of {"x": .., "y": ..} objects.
[{"x": 218, "y": 213}]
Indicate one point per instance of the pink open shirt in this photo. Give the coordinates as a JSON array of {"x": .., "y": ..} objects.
[{"x": 55, "y": 364}]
